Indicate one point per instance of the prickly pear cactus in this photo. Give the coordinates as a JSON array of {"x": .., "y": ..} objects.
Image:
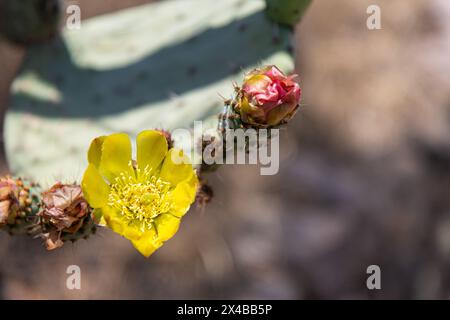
[
  {"x": 287, "y": 12},
  {"x": 161, "y": 65}
]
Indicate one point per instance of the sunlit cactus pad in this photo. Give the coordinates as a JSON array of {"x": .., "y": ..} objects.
[{"x": 160, "y": 65}]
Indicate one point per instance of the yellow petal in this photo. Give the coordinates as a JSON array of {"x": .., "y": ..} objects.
[
  {"x": 116, "y": 223},
  {"x": 166, "y": 225},
  {"x": 131, "y": 232},
  {"x": 112, "y": 219},
  {"x": 151, "y": 149},
  {"x": 176, "y": 167},
  {"x": 184, "y": 195},
  {"x": 95, "y": 189},
  {"x": 95, "y": 151},
  {"x": 146, "y": 245},
  {"x": 116, "y": 156}
]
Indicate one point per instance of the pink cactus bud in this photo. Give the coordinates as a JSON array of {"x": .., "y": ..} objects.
[{"x": 268, "y": 97}]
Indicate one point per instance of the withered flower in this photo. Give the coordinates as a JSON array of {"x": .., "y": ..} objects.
[{"x": 64, "y": 209}]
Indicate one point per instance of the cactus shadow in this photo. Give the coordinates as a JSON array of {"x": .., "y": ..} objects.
[{"x": 205, "y": 58}]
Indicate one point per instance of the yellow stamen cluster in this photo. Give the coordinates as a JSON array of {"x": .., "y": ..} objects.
[{"x": 140, "y": 198}]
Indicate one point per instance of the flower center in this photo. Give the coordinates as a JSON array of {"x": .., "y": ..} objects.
[{"x": 140, "y": 199}]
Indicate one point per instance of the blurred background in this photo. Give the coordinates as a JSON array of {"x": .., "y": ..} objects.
[{"x": 364, "y": 179}]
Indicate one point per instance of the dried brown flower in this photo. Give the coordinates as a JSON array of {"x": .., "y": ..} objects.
[{"x": 64, "y": 209}]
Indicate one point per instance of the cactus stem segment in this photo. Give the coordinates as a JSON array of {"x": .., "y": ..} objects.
[{"x": 57, "y": 215}]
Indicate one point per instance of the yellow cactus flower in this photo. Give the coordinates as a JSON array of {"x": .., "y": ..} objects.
[{"x": 142, "y": 200}]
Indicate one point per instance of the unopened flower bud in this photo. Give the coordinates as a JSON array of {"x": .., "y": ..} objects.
[
  {"x": 15, "y": 200},
  {"x": 267, "y": 98}
]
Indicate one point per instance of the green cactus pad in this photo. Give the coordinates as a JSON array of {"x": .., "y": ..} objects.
[
  {"x": 161, "y": 65},
  {"x": 287, "y": 12}
]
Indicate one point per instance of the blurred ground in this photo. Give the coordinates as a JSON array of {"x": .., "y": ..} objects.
[{"x": 364, "y": 179}]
